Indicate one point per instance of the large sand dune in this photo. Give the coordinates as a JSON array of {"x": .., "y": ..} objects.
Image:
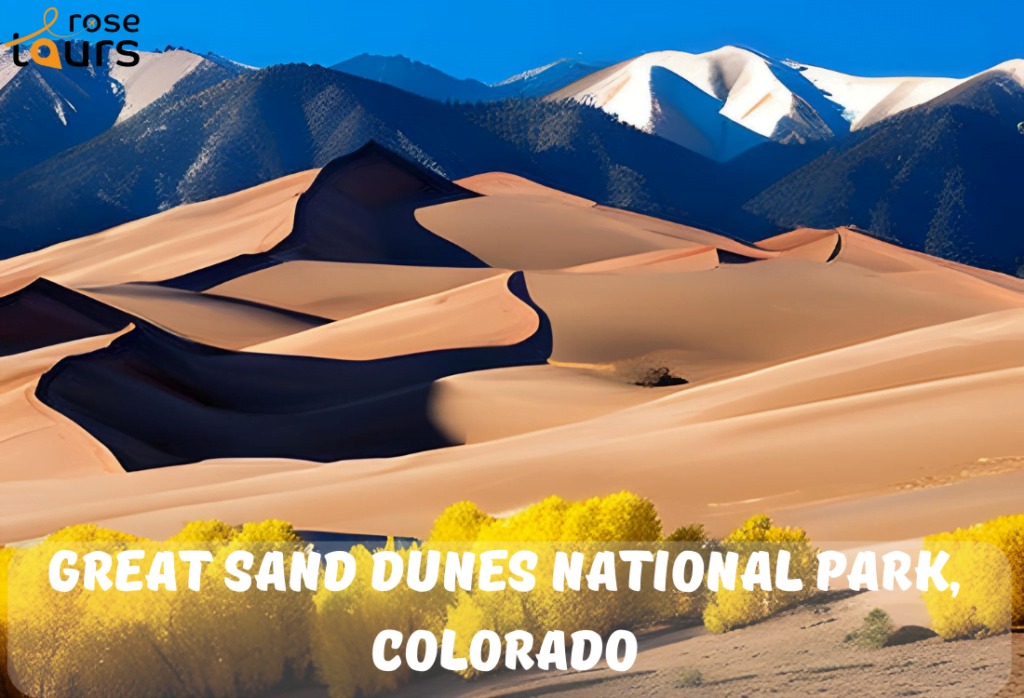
[
  {"x": 482, "y": 314},
  {"x": 168, "y": 244},
  {"x": 357, "y": 358}
]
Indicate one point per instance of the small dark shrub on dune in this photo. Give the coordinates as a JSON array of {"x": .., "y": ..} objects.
[{"x": 659, "y": 377}]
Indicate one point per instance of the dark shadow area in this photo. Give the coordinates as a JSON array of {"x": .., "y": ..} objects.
[
  {"x": 44, "y": 313},
  {"x": 155, "y": 399},
  {"x": 360, "y": 208},
  {"x": 909, "y": 634}
]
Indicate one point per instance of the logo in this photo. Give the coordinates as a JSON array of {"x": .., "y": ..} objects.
[{"x": 84, "y": 23}]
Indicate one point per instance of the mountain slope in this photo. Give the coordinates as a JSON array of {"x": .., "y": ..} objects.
[
  {"x": 265, "y": 124},
  {"x": 427, "y": 81},
  {"x": 44, "y": 111},
  {"x": 943, "y": 177},
  {"x": 413, "y": 76},
  {"x": 159, "y": 72},
  {"x": 719, "y": 103}
]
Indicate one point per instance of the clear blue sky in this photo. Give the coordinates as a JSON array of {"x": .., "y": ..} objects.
[{"x": 491, "y": 40}]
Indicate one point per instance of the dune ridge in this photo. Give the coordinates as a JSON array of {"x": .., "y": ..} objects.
[{"x": 404, "y": 342}]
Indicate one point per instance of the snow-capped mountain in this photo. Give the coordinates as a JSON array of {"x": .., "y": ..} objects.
[
  {"x": 427, "y": 81},
  {"x": 943, "y": 177},
  {"x": 158, "y": 72},
  {"x": 44, "y": 111},
  {"x": 718, "y": 103},
  {"x": 866, "y": 101}
]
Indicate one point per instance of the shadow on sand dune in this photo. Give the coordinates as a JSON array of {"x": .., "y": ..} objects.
[
  {"x": 358, "y": 209},
  {"x": 155, "y": 399},
  {"x": 44, "y": 313}
]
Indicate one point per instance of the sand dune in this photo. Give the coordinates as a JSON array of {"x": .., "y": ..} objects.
[
  {"x": 716, "y": 453},
  {"x": 168, "y": 244},
  {"x": 825, "y": 367},
  {"x": 696, "y": 259},
  {"x": 44, "y": 314},
  {"x": 168, "y": 401},
  {"x": 505, "y": 184},
  {"x": 530, "y": 228},
  {"x": 220, "y": 322},
  {"x": 482, "y": 314},
  {"x": 701, "y": 323},
  {"x": 37, "y": 442},
  {"x": 339, "y": 290},
  {"x": 488, "y": 405}
]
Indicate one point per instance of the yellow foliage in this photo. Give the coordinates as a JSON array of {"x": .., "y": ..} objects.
[
  {"x": 988, "y": 561},
  {"x": 587, "y": 527},
  {"x": 90, "y": 533},
  {"x": 347, "y": 622},
  {"x": 461, "y": 522},
  {"x": 157, "y": 642},
  {"x": 727, "y": 610},
  {"x": 210, "y": 531}
]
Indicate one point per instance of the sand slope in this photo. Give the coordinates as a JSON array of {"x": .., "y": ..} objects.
[
  {"x": 533, "y": 227},
  {"x": 168, "y": 244},
  {"x": 826, "y": 369},
  {"x": 482, "y": 314},
  {"x": 37, "y": 442},
  {"x": 221, "y": 322},
  {"x": 339, "y": 290}
]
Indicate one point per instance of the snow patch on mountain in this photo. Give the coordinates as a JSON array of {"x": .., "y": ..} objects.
[
  {"x": 866, "y": 101},
  {"x": 154, "y": 76},
  {"x": 744, "y": 87}
]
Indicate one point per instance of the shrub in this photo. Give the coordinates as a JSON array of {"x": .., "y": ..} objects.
[
  {"x": 727, "y": 609},
  {"x": 157, "y": 643},
  {"x": 460, "y": 522},
  {"x": 576, "y": 526},
  {"x": 347, "y": 622},
  {"x": 991, "y": 595},
  {"x": 874, "y": 631},
  {"x": 689, "y": 678}
]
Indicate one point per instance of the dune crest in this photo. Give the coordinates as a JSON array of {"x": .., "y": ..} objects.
[
  {"x": 480, "y": 314},
  {"x": 361, "y": 355}
]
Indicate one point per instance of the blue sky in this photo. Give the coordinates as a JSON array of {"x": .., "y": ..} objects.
[{"x": 493, "y": 40}]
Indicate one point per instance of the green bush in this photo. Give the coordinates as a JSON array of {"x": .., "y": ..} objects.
[{"x": 874, "y": 631}]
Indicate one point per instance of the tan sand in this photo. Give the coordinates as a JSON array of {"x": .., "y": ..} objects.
[
  {"x": 221, "y": 322},
  {"x": 167, "y": 244},
  {"x": 795, "y": 239},
  {"x": 525, "y": 227},
  {"x": 35, "y": 441},
  {"x": 696, "y": 259},
  {"x": 793, "y": 307},
  {"x": 538, "y": 233},
  {"x": 819, "y": 387},
  {"x": 340, "y": 290},
  {"x": 488, "y": 405},
  {"x": 504, "y": 184},
  {"x": 715, "y": 453},
  {"x": 482, "y": 314}
]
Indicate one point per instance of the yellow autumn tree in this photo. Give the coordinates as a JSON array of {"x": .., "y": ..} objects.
[
  {"x": 347, "y": 622},
  {"x": 987, "y": 560},
  {"x": 600, "y": 524},
  {"x": 156, "y": 642},
  {"x": 730, "y": 609}
]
